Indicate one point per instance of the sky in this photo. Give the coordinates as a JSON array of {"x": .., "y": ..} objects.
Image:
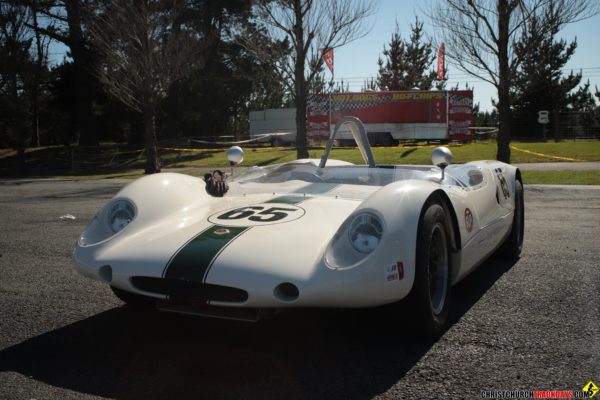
[{"x": 357, "y": 61}]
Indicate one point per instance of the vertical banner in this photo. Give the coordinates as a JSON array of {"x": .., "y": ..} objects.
[
  {"x": 441, "y": 63},
  {"x": 327, "y": 55}
]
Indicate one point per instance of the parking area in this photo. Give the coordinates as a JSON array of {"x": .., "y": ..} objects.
[{"x": 530, "y": 325}]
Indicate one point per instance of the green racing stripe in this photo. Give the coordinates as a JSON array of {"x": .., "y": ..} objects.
[
  {"x": 193, "y": 261},
  {"x": 195, "y": 258}
]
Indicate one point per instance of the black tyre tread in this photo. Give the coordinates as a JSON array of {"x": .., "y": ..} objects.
[
  {"x": 418, "y": 300},
  {"x": 512, "y": 246}
]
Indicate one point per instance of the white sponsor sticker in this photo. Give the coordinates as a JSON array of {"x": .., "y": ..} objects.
[{"x": 391, "y": 273}]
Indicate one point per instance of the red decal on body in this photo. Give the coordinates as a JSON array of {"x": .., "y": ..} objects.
[{"x": 400, "y": 266}]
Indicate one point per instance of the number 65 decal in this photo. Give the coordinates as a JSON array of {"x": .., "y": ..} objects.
[{"x": 257, "y": 215}]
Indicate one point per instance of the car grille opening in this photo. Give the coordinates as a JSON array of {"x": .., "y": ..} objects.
[{"x": 187, "y": 290}]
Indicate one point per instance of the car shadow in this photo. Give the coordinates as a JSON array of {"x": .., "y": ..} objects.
[{"x": 300, "y": 354}]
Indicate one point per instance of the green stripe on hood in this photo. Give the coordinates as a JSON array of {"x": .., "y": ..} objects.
[
  {"x": 195, "y": 258},
  {"x": 193, "y": 261}
]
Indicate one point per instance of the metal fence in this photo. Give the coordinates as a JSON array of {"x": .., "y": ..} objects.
[{"x": 565, "y": 125}]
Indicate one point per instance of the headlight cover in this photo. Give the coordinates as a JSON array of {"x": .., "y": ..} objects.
[
  {"x": 109, "y": 221},
  {"x": 365, "y": 233},
  {"x": 120, "y": 215},
  {"x": 358, "y": 237}
]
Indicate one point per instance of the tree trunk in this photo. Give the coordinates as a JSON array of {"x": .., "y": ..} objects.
[
  {"x": 88, "y": 135},
  {"x": 18, "y": 125},
  {"x": 35, "y": 118},
  {"x": 503, "y": 153},
  {"x": 301, "y": 146},
  {"x": 301, "y": 150},
  {"x": 503, "y": 86},
  {"x": 152, "y": 161}
]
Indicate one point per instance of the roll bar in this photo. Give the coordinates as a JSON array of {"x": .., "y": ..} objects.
[{"x": 360, "y": 137}]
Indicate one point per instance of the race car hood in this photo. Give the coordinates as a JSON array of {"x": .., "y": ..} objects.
[{"x": 257, "y": 231}]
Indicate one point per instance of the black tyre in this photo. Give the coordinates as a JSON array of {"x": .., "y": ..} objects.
[
  {"x": 429, "y": 298},
  {"x": 513, "y": 245},
  {"x": 132, "y": 299}
]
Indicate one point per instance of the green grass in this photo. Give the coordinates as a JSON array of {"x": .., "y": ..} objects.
[
  {"x": 562, "y": 177},
  {"x": 580, "y": 150},
  {"x": 113, "y": 161},
  {"x": 584, "y": 151}
]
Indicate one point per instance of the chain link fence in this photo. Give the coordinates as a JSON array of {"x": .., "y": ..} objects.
[{"x": 563, "y": 125}]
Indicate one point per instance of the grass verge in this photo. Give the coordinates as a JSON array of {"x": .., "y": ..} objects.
[
  {"x": 112, "y": 161},
  {"x": 561, "y": 177}
]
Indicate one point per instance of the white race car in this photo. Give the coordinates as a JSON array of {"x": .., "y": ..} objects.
[{"x": 308, "y": 233}]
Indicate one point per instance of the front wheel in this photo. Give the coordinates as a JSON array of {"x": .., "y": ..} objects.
[
  {"x": 513, "y": 245},
  {"x": 429, "y": 298}
]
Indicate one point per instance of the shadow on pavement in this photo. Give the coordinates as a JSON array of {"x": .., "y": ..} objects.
[{"x": 301, "y": 354}]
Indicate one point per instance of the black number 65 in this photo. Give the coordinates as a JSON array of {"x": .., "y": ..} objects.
[{"x": 257, "y": 213}]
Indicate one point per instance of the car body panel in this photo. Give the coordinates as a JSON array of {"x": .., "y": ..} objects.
[{"x": 288, "y": 224}]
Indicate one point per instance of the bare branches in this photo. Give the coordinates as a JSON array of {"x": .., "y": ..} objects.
[
  {"x": 470, "y": 28},
  {"x": 141, "y": 54},
  {"x": 308, "y": 26},
  {"x": 302, "y": 28},
  {"x": 143, "y": 49},
  {"x": 480, "y": 36}
]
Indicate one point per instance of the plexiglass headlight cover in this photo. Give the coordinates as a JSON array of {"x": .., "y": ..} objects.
[
  {"x": 109, "y": 221},
  {"x": 356, "y": 239},
  {"x": 365, "y": 232},
  {"x": 121, "y": 213}
]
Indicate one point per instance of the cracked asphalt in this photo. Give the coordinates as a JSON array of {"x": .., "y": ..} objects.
[{"x": 533, "y": 324}]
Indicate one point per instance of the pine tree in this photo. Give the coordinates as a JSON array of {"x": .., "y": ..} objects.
[
  {"x": 582, "y": 99},
  {"x": 539, "y": 83},
  {"x": 406, "y": 63}
]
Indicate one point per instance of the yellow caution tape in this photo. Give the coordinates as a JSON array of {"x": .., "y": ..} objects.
[
  {"x": 193, "y": 150},
  {"x": 270, "y": 148},
  {"x": 545, "y": 155}
]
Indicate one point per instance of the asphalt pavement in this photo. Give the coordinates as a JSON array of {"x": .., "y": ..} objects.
[
  {"x": 532, "y": 324},
  {"x": 560, "y": 166}
]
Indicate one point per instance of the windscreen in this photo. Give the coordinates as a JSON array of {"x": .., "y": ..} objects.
[{"x": 350, "y": 175}]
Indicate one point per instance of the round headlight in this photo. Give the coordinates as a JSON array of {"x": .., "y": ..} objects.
[
  {"x": 120, "y": 215},
  {"x": 365, "y": 232}
]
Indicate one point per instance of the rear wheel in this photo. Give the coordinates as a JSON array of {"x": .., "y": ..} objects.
[
  {"x": 132, "y": 299},
  {"x": 430, "y": 295},
  {"x": 513, "y": 245}
]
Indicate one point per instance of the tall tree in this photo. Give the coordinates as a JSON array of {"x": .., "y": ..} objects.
[
  {"x": 212, "y": 80},
  {"x": 15, "y": 74},
  {"x": 40, "y": 70},
  {"x": 582, "y": 99},
  {"x": 480, "y": 34},
  {"x": 141, "y": 56},
  {"x": 539, "y": 83},
  {"x": 65, "y": 24},
  {"x": 407, "y": 63},
  {"x": 307, "y": 26}
]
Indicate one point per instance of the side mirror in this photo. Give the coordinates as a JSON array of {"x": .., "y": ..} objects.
[
  {"x": 441, "y": 157},
  {"x": 235, "y": 155}
]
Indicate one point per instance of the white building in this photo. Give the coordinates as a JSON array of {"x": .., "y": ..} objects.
[{"x": 279, "y": 124}]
